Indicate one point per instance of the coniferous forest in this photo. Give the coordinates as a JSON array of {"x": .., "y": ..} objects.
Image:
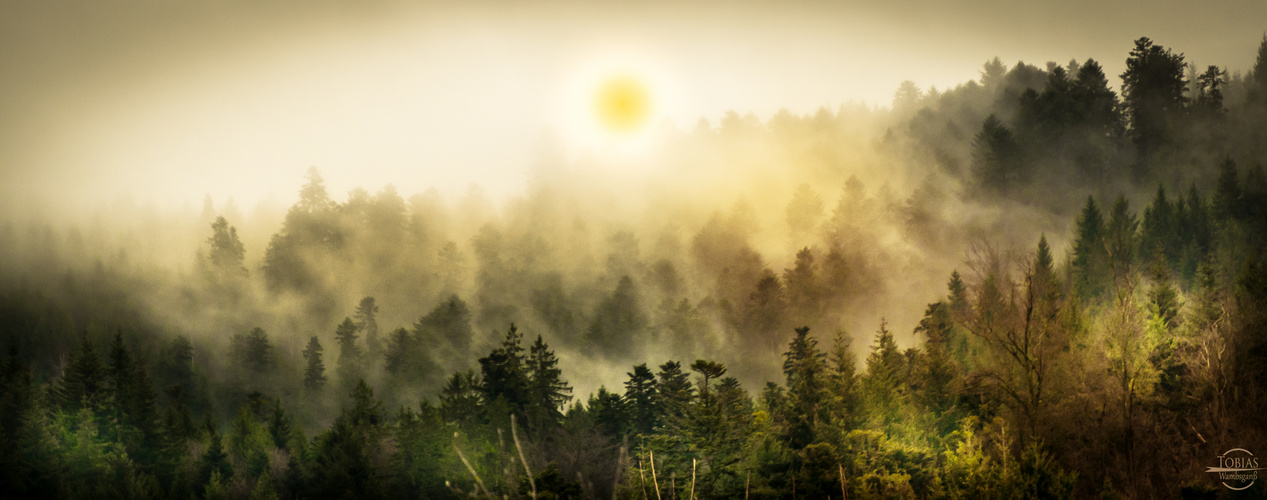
[{"x": 1049, "y": 282}]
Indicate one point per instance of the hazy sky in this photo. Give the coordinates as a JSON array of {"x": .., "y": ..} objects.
[{"x": 169, "y": 101}]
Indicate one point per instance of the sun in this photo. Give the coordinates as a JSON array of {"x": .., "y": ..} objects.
[{"x": 622, "y": 104}]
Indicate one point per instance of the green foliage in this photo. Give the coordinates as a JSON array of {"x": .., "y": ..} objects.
[
  {"x": 503, "y": 372},
  {"x": 640, "y": 397}
]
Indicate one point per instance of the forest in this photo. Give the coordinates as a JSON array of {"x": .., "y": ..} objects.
[{"x": 1029, "y": 285}]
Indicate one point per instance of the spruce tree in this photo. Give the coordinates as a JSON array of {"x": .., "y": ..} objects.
[
  {"x": 350, "y": 354},
  {"x": 83, "y": 384},
  {"x": 549, "y": 393},
  {"x": 367, "y": 324},
  {"x": 805, "y": 370},
  {"x": 640, "y": 399},
  {"x": 1090, "y": 259},
  {"x": 503, "y": 372},
  {"x": 315, "y": 372}
]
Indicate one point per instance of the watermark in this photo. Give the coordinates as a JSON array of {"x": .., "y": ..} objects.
[{"x": 1238, "y": 467}]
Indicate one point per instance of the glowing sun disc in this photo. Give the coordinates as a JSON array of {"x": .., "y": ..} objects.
[{"x": 622, "y": 104}]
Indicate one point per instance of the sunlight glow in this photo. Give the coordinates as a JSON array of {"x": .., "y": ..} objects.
[
  {"x": 613, "y": 104},
  {"x": 622, "y": 103}
]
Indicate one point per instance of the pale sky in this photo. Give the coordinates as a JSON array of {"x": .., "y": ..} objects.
[{"x": 170, "y": 101}]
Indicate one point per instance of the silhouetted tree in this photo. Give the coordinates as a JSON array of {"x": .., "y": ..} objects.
[
  {"x": 503, "y": 372},
  {"x": 640, "y": 396},
  {"x": 351, "y": 357},
  {"x": 315, "y": 371},
  {"x": 996, "y": 157},
  {"x": 367, "y": 325},
  {"x": 1152, "y": 91},
  {"x": 549, "y": 393},
  {"x": 253, "y": 351}
]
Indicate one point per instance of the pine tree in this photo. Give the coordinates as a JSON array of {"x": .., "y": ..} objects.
[
  {"x": 1090, "y": 260},
  {"x": 958, "y": 295},
  {"x": 402, "y": 353},
  {"x": 214, "y": 460},
  {"x": 1210, "y": 91},
  {"x": 83, "y": 384},
  {"x": 1258, "y": 76},
  {"x": 608, "y": 411},
  {"x": 940, "y": 370},
  {"x": 885, "y": 365},
  {"x": 315, "y": 372},
  {"x": 549, "y": 392},
  {"x": 802, "y": 288},
  {"x": 674, "y": 395},
  {"x": 996, "y": 155},
  {"x": 279, "y": 427},
  {"x": 142, "y": 410},
  {"x": 350, "y": 354},
  {"x": 367, "y": 325},
  {"x": 1227, "y": 197},
  {"x": 846, "y": 402},
  {"x": 1121, "y": 243},
  {"x": 1159, "y": 230},
  {"x": 640, "y": 397},
  {"x": 226, "y": 252},
  {"x": 708, "y": 370},
  {"x": 804, "y": 366},
  {"x": 448, "y": 324},
  {"x": 120, "y": 377},
  {"x": 617, "y": 320},
  {"x": 253, "y": 351},
  {"x": 1153, "y": 93},
  {"x": 503, "y": 372},
  {"x": 460, "y": 397}
]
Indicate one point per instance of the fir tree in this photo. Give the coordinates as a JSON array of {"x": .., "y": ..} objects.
[
  {"x": 350, "y": 354},
  {"x": 806, "y": 382},
  {"x": 640, "y": 398},
  {"x": 315, "y": 372},
  {"x": 549, "y": 392},
  {"x": 503, "y": 372}
]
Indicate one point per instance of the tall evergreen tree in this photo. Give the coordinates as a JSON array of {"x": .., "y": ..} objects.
[
  {"x": 844, "y": 390},
  {"x": 674, "y": 395},
  {"x": 460, "y": 397},
  {"x": 448, "y": 324},
  {"x": 351, "y": 356},
  {"x": 503, "y": 372},
  {"x": 957, "y": 296},
  {"x": 367, "y": 325},
  {"x": 939, "y": 369},
  {"x": 1258, "y": 75},
  {"x": 549, "y": 393},
  {"x": 1090, "y": 259},
  {"x": 226, "y": 252},
  {"x": 1122, "y": 244},
  {"x": 885, "y": 365},
  {"x": 640, "y": 392},
  {"x": 121, "y": 373},
  {"x": 1227, "y": 196},
  {"x": 315, "y": 370},
  {"x": 83, "y": 385},
  {"x": 996, "y": 155},
  {"x": 1153, "y": 91},
  {"x": 253, "y": 351},
  {"x": 804, "y": 366},
  {"x": 617, "y": 320}
]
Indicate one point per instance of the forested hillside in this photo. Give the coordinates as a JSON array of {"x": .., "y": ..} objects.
[{"x": 1048, "y": 283}]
